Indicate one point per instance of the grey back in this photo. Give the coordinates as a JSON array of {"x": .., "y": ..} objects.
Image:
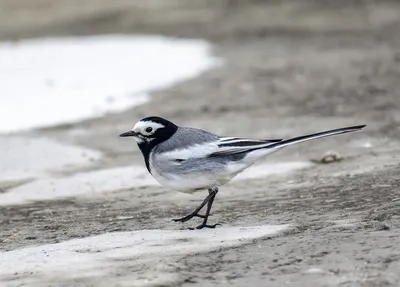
[{"x": 185, "y": 137}]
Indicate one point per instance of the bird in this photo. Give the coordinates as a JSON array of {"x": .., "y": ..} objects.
[{"x": 189, "y": 159}]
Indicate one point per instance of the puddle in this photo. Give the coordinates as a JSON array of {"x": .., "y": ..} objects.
[
  {"x": 23, "y": 158},
  {"x": 74, "y": 78},
  {"x": 140, "y": 258}
]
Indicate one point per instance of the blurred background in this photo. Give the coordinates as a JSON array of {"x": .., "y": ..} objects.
[{"x": 75, "y": 74}]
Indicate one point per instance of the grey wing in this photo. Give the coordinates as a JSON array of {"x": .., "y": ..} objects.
[
  {"x": 236, "y": 146},
  {"x": 224, "y": 150},
  {"x": 192, "y": 151},
  {"x": 185, "y": 138}
]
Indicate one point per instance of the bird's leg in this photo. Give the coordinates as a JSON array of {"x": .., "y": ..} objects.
[
  {"x": 196, "y": 211},
  {"x": 214, "y": 192},
  {"x": 209, "y": 204}
]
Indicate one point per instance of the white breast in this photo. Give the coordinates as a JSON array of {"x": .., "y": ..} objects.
[{"x": 188, "y": 183}]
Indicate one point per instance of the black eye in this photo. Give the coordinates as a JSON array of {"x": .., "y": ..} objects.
[{"x": 149, "y": 129}]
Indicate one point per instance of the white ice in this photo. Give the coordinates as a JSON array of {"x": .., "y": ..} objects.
[
  {"x": 314, "y": 270},
  {"x": 139, "y": 258},
  {"x": 24, "y": 158},
  {"x": 48, "y": 81},
  {"x": 113, "y": 179}
]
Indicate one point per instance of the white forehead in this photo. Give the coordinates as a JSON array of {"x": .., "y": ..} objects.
[{"x": 142, "y": 125}]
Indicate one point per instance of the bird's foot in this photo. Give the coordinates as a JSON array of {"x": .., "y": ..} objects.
[
  {"x": 188, "y": 217},
  {"x": 201, "y": 226}
]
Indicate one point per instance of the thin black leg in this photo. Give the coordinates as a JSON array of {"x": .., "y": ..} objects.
[
  {"x": 213, "y": 191},
  {"x": 196, "y": 211}
]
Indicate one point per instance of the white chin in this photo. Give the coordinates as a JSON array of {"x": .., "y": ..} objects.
[{"x": 139, "y": 140}]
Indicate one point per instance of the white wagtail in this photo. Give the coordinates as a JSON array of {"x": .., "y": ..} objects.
[{"x": 190, "y": 159}]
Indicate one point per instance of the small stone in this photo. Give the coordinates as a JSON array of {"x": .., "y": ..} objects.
[
  {"x": 329, "y": 157},
  {"x": 30, "y": 237},
  {"x": 385, "y": 227}
]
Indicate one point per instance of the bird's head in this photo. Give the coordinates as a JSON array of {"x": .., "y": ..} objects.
[{"x": 151, "y": 131}]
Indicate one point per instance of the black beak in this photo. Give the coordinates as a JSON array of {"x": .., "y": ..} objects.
[{"x": 128, "y": 134}]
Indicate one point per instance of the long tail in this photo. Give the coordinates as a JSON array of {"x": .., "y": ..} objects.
[{"x": 315, "y": 136}]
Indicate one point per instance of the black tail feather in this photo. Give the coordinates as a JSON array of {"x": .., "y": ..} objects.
[{"x": 317, "y": 135}]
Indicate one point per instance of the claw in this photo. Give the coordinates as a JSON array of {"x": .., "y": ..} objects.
[
  {"x": 201, "y": 226},
  {"x": 212, "y": 192},
  {"x": 188, "y": 217},
  {"x": 183, "y": 219}
]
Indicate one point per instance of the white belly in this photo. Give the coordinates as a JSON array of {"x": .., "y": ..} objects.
[
  {"x": 186, "y": 183},
  {"x": 189, "y": 183},
  {"x": 193, "y": 178}
]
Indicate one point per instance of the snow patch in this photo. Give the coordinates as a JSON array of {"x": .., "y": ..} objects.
[
  {"x": 49, "y": 81},
  {"x": 92, "y": 182},
  {"x": 139, "y": 258},
  {"x": 23, "y": 158}
]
